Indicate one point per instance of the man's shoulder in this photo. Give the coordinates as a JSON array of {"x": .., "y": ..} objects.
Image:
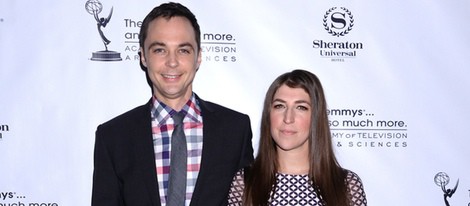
[
  {"x": 127, "y": 128},
  {"x": 132, "y": 116},
  {"x": 211, "y": 107}
]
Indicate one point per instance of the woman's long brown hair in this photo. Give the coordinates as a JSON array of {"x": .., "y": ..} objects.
[{"x": 326, "y": 175}]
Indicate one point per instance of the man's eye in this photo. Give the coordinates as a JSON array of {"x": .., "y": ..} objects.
[
  {"x": 185, "y": 51},
  {"x": 158, "y": 50}
]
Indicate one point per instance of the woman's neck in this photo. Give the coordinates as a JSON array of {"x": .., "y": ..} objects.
[{"x": 296, "y": 163}]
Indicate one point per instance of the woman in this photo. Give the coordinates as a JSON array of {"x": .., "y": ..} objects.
[{"x": 296, "y": 164}]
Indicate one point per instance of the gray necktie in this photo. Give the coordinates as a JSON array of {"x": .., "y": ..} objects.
[{"x": 178, "y": 166}]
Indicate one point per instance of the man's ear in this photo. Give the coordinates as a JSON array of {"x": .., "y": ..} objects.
[
  {"x": 143, "y": 66},
  {"x": 143, "y": 62},
  {"x": 199, "y": 59}
]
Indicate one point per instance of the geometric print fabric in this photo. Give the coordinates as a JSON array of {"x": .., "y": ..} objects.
[
  {"x": 297, "y": 190},
  {"x": 294, "y": 190}
]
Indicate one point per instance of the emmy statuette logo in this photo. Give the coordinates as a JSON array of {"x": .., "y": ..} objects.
[
  {"x": 442, "y": 180},
  {"x": 94, "y": 7}
]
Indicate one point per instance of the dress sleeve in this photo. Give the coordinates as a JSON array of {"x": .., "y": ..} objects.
[
  {"x": 235, "y": 195},
  {"x": 355, "y": 190}
]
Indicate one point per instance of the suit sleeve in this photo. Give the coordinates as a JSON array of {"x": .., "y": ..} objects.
[
  {"x": 105, "y": 182},
  {"x": 247, "y": 151}
]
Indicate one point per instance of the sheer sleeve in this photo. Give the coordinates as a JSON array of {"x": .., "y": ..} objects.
[
  {"x": 235, "y": 195},
  {"x": 355, "y": 189}
]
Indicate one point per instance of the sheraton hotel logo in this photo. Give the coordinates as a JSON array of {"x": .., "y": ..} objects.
[{"x": 338, "y": 22}]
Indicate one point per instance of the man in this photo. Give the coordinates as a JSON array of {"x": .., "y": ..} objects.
[{"x": 132, "y": 151}]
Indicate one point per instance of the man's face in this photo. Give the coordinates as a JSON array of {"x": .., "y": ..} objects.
[{"x": 172, "y": 58}]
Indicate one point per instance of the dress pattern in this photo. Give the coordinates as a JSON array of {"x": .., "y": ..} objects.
[{"x": 296, "y": 190}]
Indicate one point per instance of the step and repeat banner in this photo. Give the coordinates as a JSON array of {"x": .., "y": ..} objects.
[{"x": 396, "y": 76}]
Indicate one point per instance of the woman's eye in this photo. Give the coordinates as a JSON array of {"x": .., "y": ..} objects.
[
  {"x": 278, "y": 106},
  {"x": 303, "y": 108}
]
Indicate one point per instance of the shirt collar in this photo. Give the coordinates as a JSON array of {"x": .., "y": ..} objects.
[{"x": 161, "y": 112}]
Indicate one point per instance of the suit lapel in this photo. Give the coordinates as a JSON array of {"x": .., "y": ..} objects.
[
  {"x": 145, "y": 154},
  {"x": 209, "y": 132}
]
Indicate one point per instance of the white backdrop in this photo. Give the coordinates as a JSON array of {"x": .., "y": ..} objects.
[{"x": 398, "y": 107}]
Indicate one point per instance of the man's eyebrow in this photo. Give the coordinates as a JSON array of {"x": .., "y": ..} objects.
[
  {"x": 186, "y": 44},
  {"x": 156, "y": 43}
]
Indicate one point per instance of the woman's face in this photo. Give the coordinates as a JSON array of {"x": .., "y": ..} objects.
[{"x": 290, "y": 117}]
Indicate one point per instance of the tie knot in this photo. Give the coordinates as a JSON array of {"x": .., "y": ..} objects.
[{"x": 178, "y": 118}]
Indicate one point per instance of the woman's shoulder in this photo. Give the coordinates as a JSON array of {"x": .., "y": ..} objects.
[
  {"x": 355, "y": 188},
  {"x": 351, "y": 175}
]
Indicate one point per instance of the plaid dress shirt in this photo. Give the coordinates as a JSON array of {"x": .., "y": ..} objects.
[{"x": 162, "y": 128}]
